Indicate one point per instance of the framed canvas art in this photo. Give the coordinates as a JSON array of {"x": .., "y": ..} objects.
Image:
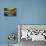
[
  {"x": 9, "y": 11},
  {"x": 32, "y": 32}
]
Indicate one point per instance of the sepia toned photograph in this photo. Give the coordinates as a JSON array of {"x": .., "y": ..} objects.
[{"x": 9, "y": 11}]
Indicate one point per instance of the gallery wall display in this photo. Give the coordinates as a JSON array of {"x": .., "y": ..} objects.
[
  {"x": 9, "y": 11},
  {"x": 32, "y": 32}
]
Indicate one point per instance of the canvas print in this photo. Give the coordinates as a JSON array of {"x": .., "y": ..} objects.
[
  {"x": 33, "y": 32},
  {"x": 9, "y": 11}
]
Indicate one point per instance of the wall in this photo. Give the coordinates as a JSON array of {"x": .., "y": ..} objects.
[
  {"x": 7, "y": 24},
  {"x": 28, "y": 12},
  {"x": 33, "y": 12}
]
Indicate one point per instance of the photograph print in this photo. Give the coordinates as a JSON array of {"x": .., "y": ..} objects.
[{"x": 9, "y": 11}]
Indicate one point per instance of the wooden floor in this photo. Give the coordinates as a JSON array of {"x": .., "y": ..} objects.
[{"x": 30, "y": 43}]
